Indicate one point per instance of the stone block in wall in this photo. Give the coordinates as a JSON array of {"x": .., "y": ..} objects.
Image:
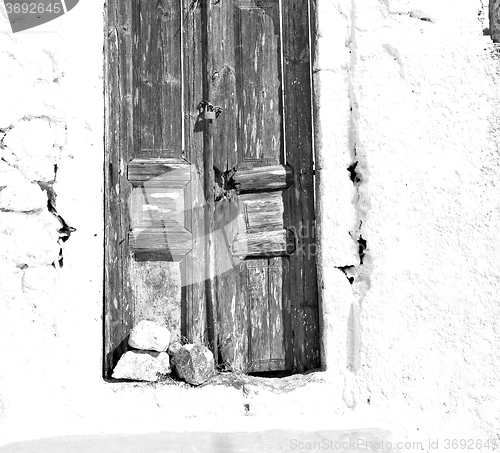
[
  {"x": 22, "y": 195},
  {"x": 8, "y": 174},
  {"x": 39, "y": 279},
  {"x": 14, "y": 101},
  {"x": 10, "y": 284},
  {"x": 29, "y": 239},
  {"x": 30, "y": 147}
]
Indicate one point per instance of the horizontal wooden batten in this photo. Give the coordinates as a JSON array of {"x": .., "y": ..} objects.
[
  {"x": 160, "y": 241},
  {"x": 258, "y": 210},
  {"x": 264, "y": 243},
  {"x": 263, "y": 178},
  {"x": 168, "y": 173}
]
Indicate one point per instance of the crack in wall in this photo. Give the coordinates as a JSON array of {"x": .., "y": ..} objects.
[
  {"x": 65, "y": 230},
  {"x": 358, "y": 274}
]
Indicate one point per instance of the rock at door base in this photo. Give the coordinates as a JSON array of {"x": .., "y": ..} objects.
[
  {"x": 142, "y": 366},
  {"x": 194, "y": 363},
  {"x": 149, "y": 336}
]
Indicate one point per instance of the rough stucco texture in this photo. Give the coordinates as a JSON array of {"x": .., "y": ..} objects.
[
  {"x": 409, "y": 91},
  {"x": 425, "y": 131}
]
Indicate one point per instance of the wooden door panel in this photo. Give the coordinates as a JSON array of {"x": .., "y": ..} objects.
[
  {"x": 273, "y": 202},
  {"x": 260, "y": 226},
  {"x": 157, "y": 292},
  {"x": 158, "y": 205},
  {"x": 301, "y": 292},
  {"x": 222, "y": 78},
  {"x": 193, "y": 272},
  {"x": 118, "y": 315},
  {"x": 157, "y": 66},
  {"x": 156, "y": 169},
  {"x": 267, "y": 349},
  {"x": 258, "y": 70},
  {"x": 232, "y": 309},
  {"x": 263, "y": 178}
]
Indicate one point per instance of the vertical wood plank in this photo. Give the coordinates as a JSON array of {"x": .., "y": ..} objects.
[
  {"x": 194, "y": 310},
  {"x": 209, "y": 185},
  {"x": 275, "y": 314},
  {"x": 301, "y": 290},
  {"x": 232, "y": 304},
  {"x": 258, "y": 289},
  {"x": 266, "y": 337},
  {"x": 494, "y": 15},
  {"x": 258, "y": 74},
  {"x": 157, "y": 68},
  {"x": 231, "y": 301},
  {"x": 118, "y": 305},
  {"x": 223, "y": 83}
]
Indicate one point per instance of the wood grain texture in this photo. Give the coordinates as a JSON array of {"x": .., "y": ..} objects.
[
  {"x": 494, "y": 16},
  {"x": 263, "y": 178},
  {"x": 157, "y": 90},
  {"x": 260, "y": 143},
  {"x": 209, "y": 185},
  {"x": 166, "y": 241},
  {"x": 232, "y": 305},
  {"x": 258, "y": 73},
  {"x": 301, "y": 293},
  {"x": 264, "y": 243},
  {"x": 260, "y": 226},
  {"x": 266, "y": 333},
  {"x": 194, "y": 309},
  {"x": 174, "y": 173},
  {"x": 260, "y": 211},
  {"x": 118, "y": 306},
  {"x": 246, "y": 83},
  {"x": 222, "y": 79}
]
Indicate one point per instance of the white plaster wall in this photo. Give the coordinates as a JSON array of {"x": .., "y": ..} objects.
[
  {"x": 413, "y": 102},
  {"x": 423, "y": 334}
]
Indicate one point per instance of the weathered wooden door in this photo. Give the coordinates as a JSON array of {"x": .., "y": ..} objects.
[{"x": 210, "y": 224}]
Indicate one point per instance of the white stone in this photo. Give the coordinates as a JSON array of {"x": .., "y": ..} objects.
[
  {"x": 142, "y": 366},
  {"x": 8, "y": 174},
  {"x": 30, "y": 138},
  {"x": 23, "y": 196},
  {"x": 149, "y": 336},
  {"x": 29, "y": 239},
  {"x": 37, "y": 168},
  {"x": 30, "y": 147}
]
